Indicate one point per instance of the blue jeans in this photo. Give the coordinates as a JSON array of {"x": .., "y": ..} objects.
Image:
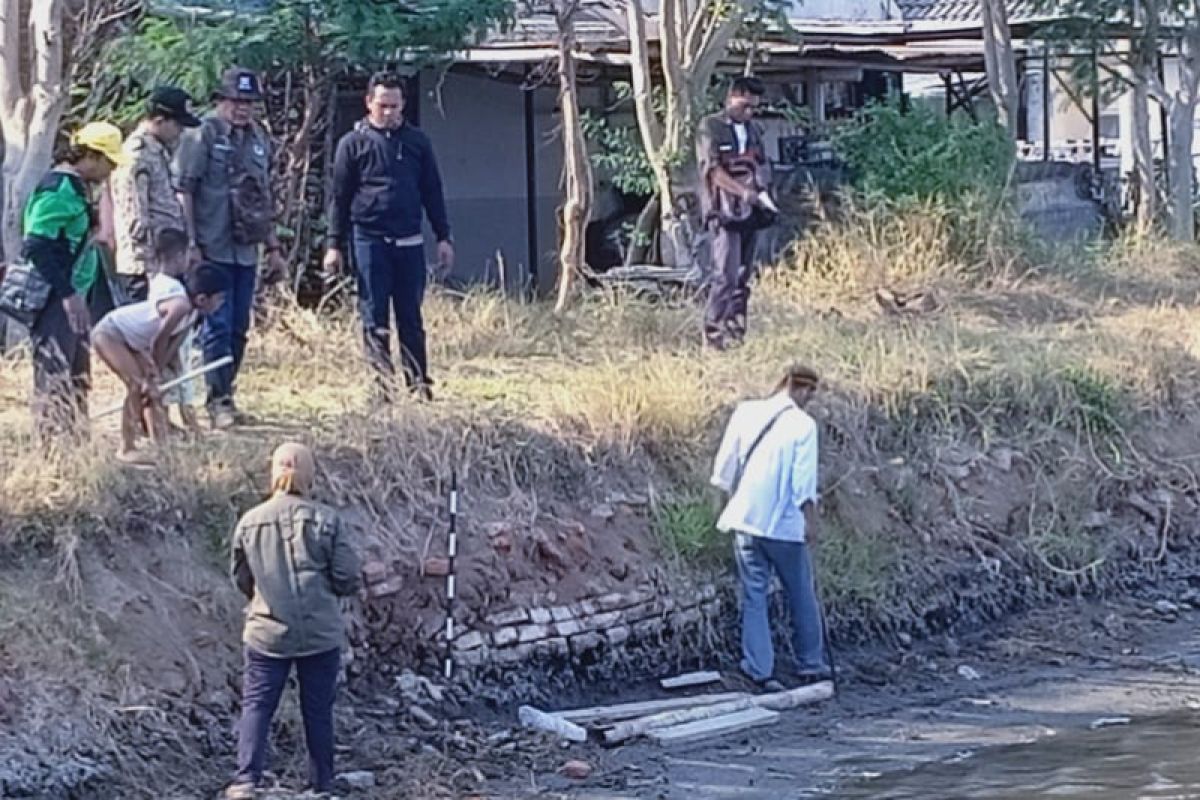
[
  {"x": 263, "y": 681},
  {"x": 392, "y": 279},
  {"x": 756, "y": 557},
  {"x": 224, "y": 332}
]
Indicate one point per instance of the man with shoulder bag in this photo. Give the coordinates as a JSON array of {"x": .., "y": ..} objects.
[
  {"x": 767, "y": 470},
  {"x": 734, "y": 179},
  {"x": 225, "y": 190}
]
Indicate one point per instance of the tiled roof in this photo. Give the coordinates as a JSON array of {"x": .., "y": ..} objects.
[{"x": 969, "y": 11}]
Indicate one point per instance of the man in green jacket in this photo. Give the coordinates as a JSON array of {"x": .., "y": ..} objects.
[{"x": 292, "y": 559}]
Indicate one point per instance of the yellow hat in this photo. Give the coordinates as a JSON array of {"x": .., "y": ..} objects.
[{"x": 103, "y": 137}]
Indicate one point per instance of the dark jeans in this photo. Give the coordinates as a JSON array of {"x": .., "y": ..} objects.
[
  {"x": 391, "y": 279},
  {"x": 263, "y": 681},
  {"x": 61, "y": 372},
  {"x": 224, "y": 332},
  {"x": 729, "y": 288}
]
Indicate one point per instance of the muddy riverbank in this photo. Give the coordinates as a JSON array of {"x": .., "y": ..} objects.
[
  {"x": 1052, "y": 673},
  {"x": 1060, "y": 671}
]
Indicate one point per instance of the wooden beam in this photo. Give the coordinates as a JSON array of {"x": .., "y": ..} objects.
[
  {"x": 631, "y": 710},
  {"x": 716, "y": 726},
  {"x": 777, "y": 701},
  {"x": 690, "y": 679}
]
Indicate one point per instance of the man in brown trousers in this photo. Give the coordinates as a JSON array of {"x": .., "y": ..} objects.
[{"x": 734, "y": 177}]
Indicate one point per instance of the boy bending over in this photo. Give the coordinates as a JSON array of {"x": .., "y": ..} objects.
[{"x": 138, "y": 341}]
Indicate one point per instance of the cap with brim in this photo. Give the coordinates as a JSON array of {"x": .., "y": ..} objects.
[
  {"x": 238, "y": 83},
  {"x": 103, "y": 137},
  {"x": 172, "y": 103}
]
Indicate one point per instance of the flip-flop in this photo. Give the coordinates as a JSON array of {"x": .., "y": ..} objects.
[{"x": 240, "y": 791}]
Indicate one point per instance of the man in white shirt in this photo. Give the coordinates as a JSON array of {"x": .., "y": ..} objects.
[{"x": 767, "y": 468}]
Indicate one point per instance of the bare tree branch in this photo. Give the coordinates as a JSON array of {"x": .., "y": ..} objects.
[
  {"x": 643, "y": 92},
  {"x": 10, "y": 58}
]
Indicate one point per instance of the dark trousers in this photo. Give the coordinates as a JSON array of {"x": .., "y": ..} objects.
[
  {"x": 224, "y": 332},
  {"x": 61, "y": 372},
  {"x": 263, "y": 681},
  {"x": 729, "y": 288},
  {"x": 392, "y": 279}
]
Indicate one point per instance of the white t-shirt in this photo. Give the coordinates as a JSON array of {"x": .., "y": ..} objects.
[
  {"x": 742, "y": 136},
  {"x": 138, "y": 322}
]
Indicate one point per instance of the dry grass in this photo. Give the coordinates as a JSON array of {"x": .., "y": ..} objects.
[
  {"x": 529, "y": 400},
  {"x": 534, "y": 407},
  {"x": 1073, "y": 362}
]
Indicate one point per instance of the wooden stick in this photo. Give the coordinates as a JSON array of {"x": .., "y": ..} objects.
[
  {"x": 778, "y": 701},
  {"x": 171, "y": 384},
  {"x": 690, "y": 679},
  {"x": 716, "y": 726},
  {"x": 631, "y": 710}
]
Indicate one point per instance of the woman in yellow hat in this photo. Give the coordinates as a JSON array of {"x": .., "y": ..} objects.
[{"x": 56, "y": 226}]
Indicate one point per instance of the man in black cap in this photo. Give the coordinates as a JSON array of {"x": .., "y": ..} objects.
[
  {"x": 143, "y": 190},
  {"x": 225, "y": 188}
]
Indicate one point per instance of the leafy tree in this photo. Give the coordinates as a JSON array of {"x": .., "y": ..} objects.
[
  {"x": 1134, "y": 34},
  {"x": 304, "y": 48},
  {"x": 693, "y": 37}
]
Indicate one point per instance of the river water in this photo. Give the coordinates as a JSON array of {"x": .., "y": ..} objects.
[{"x": 1154, "y": 759}]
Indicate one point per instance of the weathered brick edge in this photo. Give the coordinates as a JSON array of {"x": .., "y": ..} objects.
[{"x": 572, "y": 631}]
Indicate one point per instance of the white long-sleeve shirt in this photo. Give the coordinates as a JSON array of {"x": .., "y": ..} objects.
[{"x": 780, "y": 476}]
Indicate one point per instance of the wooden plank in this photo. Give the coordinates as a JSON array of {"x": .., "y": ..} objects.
[
  {"x": 631, "y": 710},
  {"x": 690, "y": 679},
  {"x": 777, "y": 701},
  {"x": 714, "y": 726}
]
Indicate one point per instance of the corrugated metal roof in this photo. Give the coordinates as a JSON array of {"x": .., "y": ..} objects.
[{"x": 969, "y": 11}]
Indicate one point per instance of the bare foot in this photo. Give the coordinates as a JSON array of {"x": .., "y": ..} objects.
[{"x": 136, "y": 458}]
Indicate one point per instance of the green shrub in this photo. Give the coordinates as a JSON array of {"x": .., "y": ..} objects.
[{"x": 917, "y": 154}]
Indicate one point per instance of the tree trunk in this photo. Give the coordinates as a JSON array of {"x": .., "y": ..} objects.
[
  {"x": 1182, "y": 115},
  {"x": 29, "y": 116},
  {"x": 1143, "y": 149},
  {"x": 577, "y": 169},
  {"x": 1183, "y": 216},
  {"x": 1001, "y": 65},
  {"x": 642, "y": 237},
  {"x": 693, "y": 36}
]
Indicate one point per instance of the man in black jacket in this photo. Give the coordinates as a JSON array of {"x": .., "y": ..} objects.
[{"x": 385, "y": 181}]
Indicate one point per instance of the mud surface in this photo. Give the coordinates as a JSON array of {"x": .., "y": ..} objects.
[{"x": 1050, "y": 673}]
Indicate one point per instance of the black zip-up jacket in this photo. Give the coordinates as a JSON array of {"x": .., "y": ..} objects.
[{"x": 383, "y": 181}]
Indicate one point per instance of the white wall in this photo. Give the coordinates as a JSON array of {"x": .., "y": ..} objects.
[{"x": 844, "y": 10}]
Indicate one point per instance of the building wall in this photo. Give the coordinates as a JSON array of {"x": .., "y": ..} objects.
[{"x": 478, "y": 128}]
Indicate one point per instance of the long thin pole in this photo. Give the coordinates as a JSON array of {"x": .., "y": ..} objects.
[
  {"x": 1046, "y": 101},
  {"x": 1096, "y": 112},
  {"x": 833, "y": 676},
  {"x": 452, "y": 553},
  {"x": 171, "y": 384}
]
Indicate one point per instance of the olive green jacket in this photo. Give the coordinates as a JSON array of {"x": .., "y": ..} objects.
[{"x": 292, "y": 559}]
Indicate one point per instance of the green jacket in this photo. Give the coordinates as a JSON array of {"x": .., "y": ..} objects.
[
  {"x": 55, "y": 227},
  {"x": 292, "y": 559}
]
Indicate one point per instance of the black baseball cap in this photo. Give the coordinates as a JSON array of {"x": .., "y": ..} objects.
[{"x": 172, "y": 102}]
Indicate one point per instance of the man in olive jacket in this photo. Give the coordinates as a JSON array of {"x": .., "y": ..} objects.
[{"x": 292, "y": 559}]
